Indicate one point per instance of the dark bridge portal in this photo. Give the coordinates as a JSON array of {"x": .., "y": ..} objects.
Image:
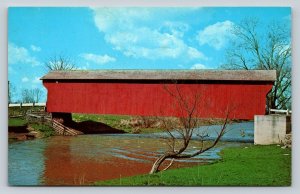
[{"x": 143, "y": 92}]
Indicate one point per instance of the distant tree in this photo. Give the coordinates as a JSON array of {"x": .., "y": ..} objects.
[
  {"x": 184, "y": 126},
  {"x": 58, "y": 63},
  {"x": 37, "y": 94},
  {"x": 271, "y": 50},
  {"x": 31, "y": 95},
  {"x": 11, "y": 92},
  {"x": 27, "y": 96}
]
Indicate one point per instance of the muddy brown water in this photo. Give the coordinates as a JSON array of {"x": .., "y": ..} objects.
[{"x": 84, "y": 159}]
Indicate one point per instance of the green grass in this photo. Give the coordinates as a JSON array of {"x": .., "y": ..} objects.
[
  {"x": 16, "y": 122},
  {"x": 253, "y": 166},
  {"x": 113, "y": 121},
  {"x": 108, "y": 119},
  {"x": 145, "y": 124},
  {"x": 46, "y": 130},
  {"x": 17, "y": 111}
]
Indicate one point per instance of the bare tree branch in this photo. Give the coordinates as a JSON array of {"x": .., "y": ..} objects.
[
  {"x": 251, "y": 49},
  {"x": 59, "y": 63},
  {"x": 188, "y": 120}
]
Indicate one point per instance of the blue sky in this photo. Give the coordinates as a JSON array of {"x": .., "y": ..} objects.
[{"x": 123, "y": 38}]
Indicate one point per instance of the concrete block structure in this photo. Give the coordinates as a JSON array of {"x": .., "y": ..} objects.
[{"x": 271, "y": 129}]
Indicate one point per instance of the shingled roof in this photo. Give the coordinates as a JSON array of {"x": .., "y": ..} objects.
[{"x": 217, "y": 75}]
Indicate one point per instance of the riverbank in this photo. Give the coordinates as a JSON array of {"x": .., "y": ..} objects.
[
  {"x": 92, "y": 124},
  {"x": 20, "y": 129},
  {"x": 242, "y": 166},
  {"x": 137, "y": 124}
]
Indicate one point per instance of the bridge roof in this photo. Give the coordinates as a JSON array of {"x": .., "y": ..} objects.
[{"x": 216, "y": 75}]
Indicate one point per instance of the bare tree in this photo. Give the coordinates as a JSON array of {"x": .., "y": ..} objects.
[
  {"x": 184, "y": 126},
  {"x": 27, "y": 96},
  {"x": 31, "y": 95},
  {"x": 11, "y": 92},
  {"x": 58, "y": 63},
  {"x": 250, "y": 49},
  {"x": 37, "y": 94}
]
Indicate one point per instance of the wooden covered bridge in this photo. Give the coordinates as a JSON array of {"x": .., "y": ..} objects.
[{"x": 147, "y": 92}]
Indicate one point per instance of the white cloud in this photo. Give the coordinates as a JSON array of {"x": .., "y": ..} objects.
[
  {"x": 137, "y": 32},
  {"x": 107, "y": 19},
  {"x": 25, "y": 79},
  {"x": 36, "y": 80},
  {"x": 194, "y": 53},
  {"x": 98, "y": 59},
  {"x": 20, "y": 55},
  {"x": 84, "y": 66},
  {"x": 198, "y": 66},
  {"x": 35, "y": 48},
  {"x": 176, "y": 28},
  {"x": 216, "y": 35}
]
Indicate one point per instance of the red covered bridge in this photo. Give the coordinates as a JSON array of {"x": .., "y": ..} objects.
[{"x": 147, "y": 92}]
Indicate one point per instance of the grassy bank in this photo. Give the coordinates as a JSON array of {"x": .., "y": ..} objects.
[
  {"x": 17, "y": 120},
  {"x": 43, "y": 130},
  {"x": 135, "y": 124},
  {"x": 123, "y": 122},
  {"x": 253, "y": 166}
]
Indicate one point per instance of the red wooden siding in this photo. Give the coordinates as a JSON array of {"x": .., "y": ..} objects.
[{"x": 151, "y": 99}]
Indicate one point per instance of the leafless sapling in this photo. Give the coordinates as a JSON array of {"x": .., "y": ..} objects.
[{"x": 188, "y": 107}]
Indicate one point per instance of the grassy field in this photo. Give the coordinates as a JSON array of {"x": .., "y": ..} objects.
[
  {"x": 111, "y": 120},
  {"x": 253, "y": 166},
  {"x": 17, "y": 111},
  {"x": 16, "y": 122}
]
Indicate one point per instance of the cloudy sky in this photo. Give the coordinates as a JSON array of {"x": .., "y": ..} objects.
[{"x": 123, "y": 38}]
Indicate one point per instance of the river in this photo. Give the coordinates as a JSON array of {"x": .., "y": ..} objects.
[{"x": 84, "y": 159}]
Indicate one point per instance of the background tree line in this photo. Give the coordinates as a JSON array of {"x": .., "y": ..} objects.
[{"x": 25, "y": 95}]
